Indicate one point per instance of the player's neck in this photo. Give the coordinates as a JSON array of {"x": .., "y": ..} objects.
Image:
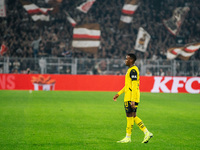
[{"x": 131, "y": 65}]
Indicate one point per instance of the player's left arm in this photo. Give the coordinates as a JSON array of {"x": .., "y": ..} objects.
[{"x": 134, "y": 87}]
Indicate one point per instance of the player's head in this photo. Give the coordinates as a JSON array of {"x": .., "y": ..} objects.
[
  {"x": 133, "y": 56},
  {"x": 130, "y": 59}
]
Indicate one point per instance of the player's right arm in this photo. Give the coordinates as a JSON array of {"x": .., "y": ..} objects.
[
  {"x": 119, "y": 93},
  {"x": 115, "y": 97}
]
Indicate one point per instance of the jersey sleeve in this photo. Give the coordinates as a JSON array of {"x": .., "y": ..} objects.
[
  {"x": 121, "y": 91},
  {"x": 133, "y": 75},
  {"x": 135, "y": 86}
]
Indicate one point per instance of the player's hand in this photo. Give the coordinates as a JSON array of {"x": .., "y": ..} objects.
[
  {"x": 133, "y": 105},
  {"x": 115, "y": 97}
]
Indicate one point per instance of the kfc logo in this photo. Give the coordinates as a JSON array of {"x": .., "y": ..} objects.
[{"x": 176, "y": 84}]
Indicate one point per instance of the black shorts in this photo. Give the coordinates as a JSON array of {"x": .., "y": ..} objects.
[{"x": 128, "y": 108}]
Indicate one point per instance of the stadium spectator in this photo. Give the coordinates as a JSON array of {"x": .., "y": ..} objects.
[
  {"x": 19, "y": 30},
  {"x": 148, "y": 73},
  {"x": 161, "y": 72}
]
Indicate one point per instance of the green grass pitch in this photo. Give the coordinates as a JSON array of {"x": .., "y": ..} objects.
[{"x": 68, "y": 120}]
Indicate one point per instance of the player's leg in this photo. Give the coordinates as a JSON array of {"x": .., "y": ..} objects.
[
  {"x": 148, "y": 135},
  {"x": 130, "y": 122},
  {"x": 129, "y": 127}
]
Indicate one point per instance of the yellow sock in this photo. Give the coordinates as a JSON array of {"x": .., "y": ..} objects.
[
  {"x": 140, "y": 124},
  {"x": 129, "y": 126}
]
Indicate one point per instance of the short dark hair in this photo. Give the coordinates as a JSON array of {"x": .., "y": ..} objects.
[{"x": 133, "y": 56}]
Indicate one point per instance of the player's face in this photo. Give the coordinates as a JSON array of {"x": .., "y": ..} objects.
[{"x": 128, "y": 60}]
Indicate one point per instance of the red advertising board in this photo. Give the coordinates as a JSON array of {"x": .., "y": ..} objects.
[{"x": 155, "y": 84}]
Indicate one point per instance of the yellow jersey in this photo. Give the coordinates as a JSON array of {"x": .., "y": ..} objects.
[{"x": 131, "y": 87}]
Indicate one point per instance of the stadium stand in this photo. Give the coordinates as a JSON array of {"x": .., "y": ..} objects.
[
  {"x": 28, "y": 39},
  {"x": 19, "y": 31}
]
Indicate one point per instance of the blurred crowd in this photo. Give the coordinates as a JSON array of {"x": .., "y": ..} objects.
[{"x": 25, "y": 38}]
